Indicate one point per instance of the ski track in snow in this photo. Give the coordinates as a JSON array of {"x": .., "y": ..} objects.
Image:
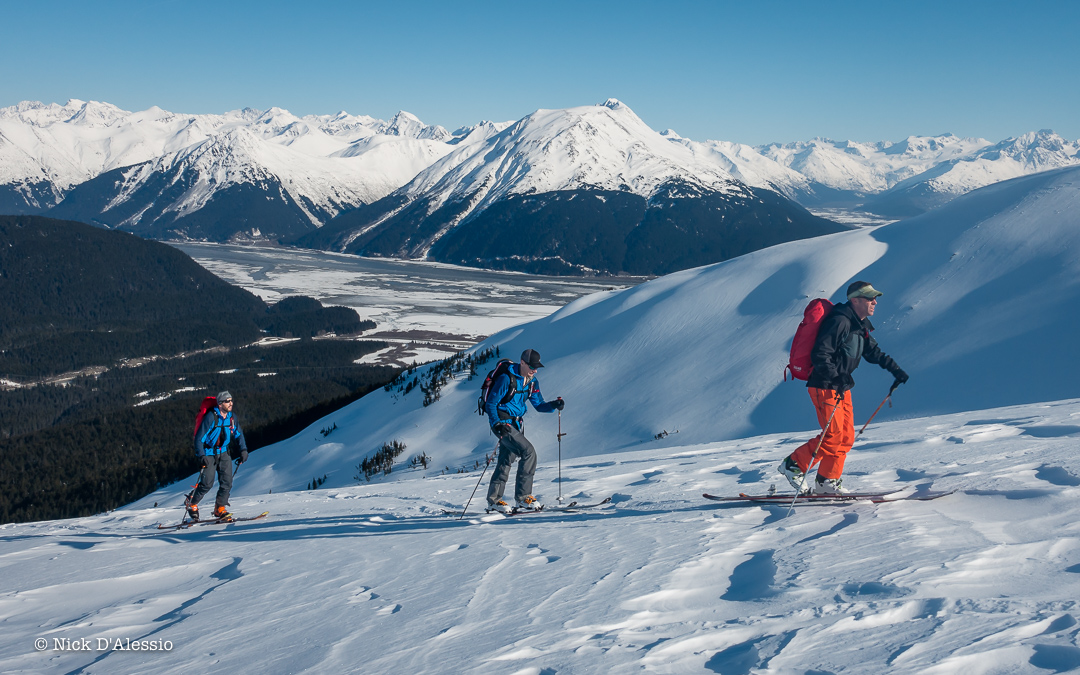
[{"x": 374, "y": 578}]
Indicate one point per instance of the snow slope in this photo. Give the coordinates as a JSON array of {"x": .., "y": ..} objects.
[
  {"x": 975, "y": 310},
  {"x": 374, "y": 578}
]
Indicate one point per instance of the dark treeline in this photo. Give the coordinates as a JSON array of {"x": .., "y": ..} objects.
[
  {"x": 86, "y": 448},
  {"x": 74, "y": 297}
]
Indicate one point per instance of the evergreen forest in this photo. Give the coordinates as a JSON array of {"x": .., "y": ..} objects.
[{"x": 108, "y": 344}]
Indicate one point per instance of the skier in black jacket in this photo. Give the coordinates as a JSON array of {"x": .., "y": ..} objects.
[{"x": 843, "y": 340}]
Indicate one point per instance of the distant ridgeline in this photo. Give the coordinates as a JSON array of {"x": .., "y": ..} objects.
[
  {"x": 571, "y": 232},
  {"x": 77, "y": 297},
  {"x": 73, "y": 296}
]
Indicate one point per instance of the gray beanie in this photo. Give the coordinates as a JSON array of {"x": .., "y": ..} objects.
[{"x": 224, "y": 396}]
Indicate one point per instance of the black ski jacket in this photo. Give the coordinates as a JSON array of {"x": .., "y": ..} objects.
[{"x": 842, "y": 341}]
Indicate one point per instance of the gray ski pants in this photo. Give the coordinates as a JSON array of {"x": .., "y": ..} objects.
[
  {"x": 513, "y": 446},
  {"x": 222, "y": 466}
]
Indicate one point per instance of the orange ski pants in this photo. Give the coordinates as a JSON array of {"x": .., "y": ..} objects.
[{"x": 835, "y": 440}]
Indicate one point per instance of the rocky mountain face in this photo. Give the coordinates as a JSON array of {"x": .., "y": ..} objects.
[
  {"x": 583, "y": 190},
  {"x": 578, "y": 190}
]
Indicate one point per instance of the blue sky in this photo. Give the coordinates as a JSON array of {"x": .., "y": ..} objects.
[{"x": 751, "y": 71}]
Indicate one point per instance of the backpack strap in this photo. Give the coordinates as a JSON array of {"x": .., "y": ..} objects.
[{"x": 512, "y": 391}]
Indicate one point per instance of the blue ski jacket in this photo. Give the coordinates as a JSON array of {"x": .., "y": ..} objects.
[
  {"x": 513, "y": 410},
  {"x": 216, "y": 432}
]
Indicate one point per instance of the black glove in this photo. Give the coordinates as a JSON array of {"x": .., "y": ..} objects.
[
  {"x": 243, "y": 456},
  {"x": 501, "y": 429},
  {"x": 205, "y": 460},
  {"x": 900, "y": 375},
  {"x": 558, "y": 403}
]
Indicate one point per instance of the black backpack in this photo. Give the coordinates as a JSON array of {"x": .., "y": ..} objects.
[{"x": 503, "y": 366}]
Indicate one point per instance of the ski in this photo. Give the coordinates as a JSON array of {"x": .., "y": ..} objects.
[
  {"x": 873, "y": 497},
  {"x": 572, "y": 507},
  {"x": 212, "y": 521}
]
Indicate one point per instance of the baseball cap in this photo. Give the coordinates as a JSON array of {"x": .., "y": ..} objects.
[{"x": 531, "y": 357}]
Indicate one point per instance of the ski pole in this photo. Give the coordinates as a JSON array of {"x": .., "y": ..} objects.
[
  {"x": 464, "y": 510},
  {"x": 802, "y": 484},
  {"x": 559, "y": 436},
  {"x": 888, "y": 397}
]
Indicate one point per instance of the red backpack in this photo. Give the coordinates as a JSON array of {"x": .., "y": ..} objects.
[
  {"x": 208, "y": 404},
  {"x": 803, "y": 343}
]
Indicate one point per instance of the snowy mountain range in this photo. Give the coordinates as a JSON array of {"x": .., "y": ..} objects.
[
  {"x": 245, "y": 173},
  {"x": 983, "y": 580},
  {"x": 590, "y": 189},
  {"x": 270, "y": 175}
]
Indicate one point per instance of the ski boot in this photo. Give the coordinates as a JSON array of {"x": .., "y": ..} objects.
[
  {"x": 221, "y": 513},
  {"x": 192, "y": 509},
  {"x": 790, "y": 469},
  {"x": 501, "y": 506},
  {"x": 829, "y": 486},
  {"x": 529, "y": 503}
]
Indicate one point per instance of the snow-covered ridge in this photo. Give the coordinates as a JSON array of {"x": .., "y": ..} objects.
[
  {"x": 48, "y": 149},
  {"x": 940, "y": 167},
  {"x": 600, "y": 147},
  {"x": 869, "y": 167},
  {"x": 320, "y": 159}
]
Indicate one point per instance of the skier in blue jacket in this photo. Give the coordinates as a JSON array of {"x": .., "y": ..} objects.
[
  {"x": 217, "y": 430},
  {"x": 505, "y": 406}
]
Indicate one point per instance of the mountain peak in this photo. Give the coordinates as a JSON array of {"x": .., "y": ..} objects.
[{"x": 409, "y": 125}]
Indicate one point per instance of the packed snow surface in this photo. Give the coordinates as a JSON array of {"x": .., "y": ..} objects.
[
  {"x": 376, "y": 579},
  {"x": 672, "y": 389}
]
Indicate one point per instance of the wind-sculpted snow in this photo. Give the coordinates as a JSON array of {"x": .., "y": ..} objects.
[{"x": 375, "y": 577}]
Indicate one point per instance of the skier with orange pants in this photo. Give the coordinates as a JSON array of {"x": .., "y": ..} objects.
[{"x": 842, "y": 341}]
